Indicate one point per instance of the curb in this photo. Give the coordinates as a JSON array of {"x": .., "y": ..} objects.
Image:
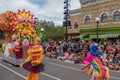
[{"x": 10, "y": 60}]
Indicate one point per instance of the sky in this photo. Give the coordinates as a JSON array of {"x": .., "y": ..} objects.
[{"x": 49, "y": 10}]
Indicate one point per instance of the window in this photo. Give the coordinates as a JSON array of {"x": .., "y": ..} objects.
[
  {"x": 87, "y": 20},
  {"x": 116, "y": 16},
  {"x": 75, "y": 25},
  {"x": 104, "y": 18}
]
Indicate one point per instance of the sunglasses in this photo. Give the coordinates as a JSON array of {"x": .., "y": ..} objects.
[{"x": 20, "y": 20}]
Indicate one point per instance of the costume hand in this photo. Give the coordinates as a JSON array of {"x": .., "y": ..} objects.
[
  {"x": 21, "y": 65},
  {"x": 34, "y": 63},
  {"x": 84, "y": 67}
]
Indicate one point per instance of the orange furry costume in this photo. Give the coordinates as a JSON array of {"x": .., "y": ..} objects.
[{"x": 34, "y": 60}]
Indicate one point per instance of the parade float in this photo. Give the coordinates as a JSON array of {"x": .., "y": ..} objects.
[{"x": 19, "y": 35}]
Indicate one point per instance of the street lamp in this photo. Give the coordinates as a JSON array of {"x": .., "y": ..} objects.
[
  {"x": 36, "y": 20},
  {"x": 42, "y": 38},
  {"x": 42, "y": 29},
  {"x": 97, "y": 21}
]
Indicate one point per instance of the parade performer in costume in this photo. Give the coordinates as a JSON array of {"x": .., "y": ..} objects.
[
  {"x": 12, "y": 48},
  {"x": 7, "y": 53},
  {"x": 34, "y": 60},
  {"x": 18, "y": 50},
  {"x": 94, "y": 66}
]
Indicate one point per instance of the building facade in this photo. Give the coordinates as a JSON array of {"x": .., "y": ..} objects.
[{"x": 83, "y": 20}]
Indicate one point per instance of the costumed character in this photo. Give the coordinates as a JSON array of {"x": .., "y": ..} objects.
[
  {"x": 25, "y": 42},
  {"x": 14, "y": 38},
  {"x": 94, "y": 66},
  {"x": 7, "y": 53},
  {"x": 25, "y": 46},
  {"x": 33, "y": 63},
  {"x": 12, "y": 48},
  {"x": 18, "y": 50}
]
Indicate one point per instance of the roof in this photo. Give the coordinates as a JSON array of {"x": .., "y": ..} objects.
[{"x": 74, "y": 11}]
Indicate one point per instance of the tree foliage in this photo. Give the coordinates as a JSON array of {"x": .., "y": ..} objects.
[
  {"x": 5, "y": 25},
  {"x": 2, "y": 33},
  {"x": 55, "y": 33}
]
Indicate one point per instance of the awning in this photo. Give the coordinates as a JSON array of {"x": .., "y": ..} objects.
[
  {"x": 82, "y": 36},
  {"x": 111, "y": 35},
  {"x": 95, "y": 36},
  {"x": 77, "y": 37},
  {"x": 99, "y": 36},
  {"x": 87, "y": 39}
]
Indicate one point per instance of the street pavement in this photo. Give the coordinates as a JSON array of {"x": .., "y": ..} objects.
[{"x": 54, "y": 70}]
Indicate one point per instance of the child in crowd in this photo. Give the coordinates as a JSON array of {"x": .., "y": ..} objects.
[{"x": 65, "y": 57}]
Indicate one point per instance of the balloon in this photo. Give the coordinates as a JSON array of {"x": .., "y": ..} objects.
[
  {"x": 23, "y": 10},
  {"x": 28, "y": 11},
  {"x": 32, "y": 15},
  {"x": 19, "y": 11}
]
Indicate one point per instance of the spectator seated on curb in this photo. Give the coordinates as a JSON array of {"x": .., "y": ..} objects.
[
  {"x": 61, "y": 55},
  {"x": 71, "y": 57},
  {"x": 53, "y": 54},
  {"x": 66, "y": 55},
  {"x": 118, "y": 66},
  {"x": 48, "y": 54},
  {"x": 109, "y": 64},
  {"x": 77, "y": 60}
]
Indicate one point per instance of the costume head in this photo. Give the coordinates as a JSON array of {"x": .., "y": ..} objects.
[
  {"x": 35, "y": 48},
  {"x": 94, "y": 50},
  {"x": 14, "y": 37},
  {"x": 25, "y": 42},
  {"x": 17, "y": 45}
]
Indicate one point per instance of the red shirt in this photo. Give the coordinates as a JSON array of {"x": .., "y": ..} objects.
[{"x": 119, "y": 51}]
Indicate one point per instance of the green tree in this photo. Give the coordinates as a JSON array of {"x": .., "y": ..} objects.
[
  {"x": 56, "y": 33},
  {"x": 52, "y": 32},
  {"x": 2, "y": 34}
]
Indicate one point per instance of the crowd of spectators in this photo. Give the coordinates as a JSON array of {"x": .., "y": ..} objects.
[{"x": 75, "y": 51}]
